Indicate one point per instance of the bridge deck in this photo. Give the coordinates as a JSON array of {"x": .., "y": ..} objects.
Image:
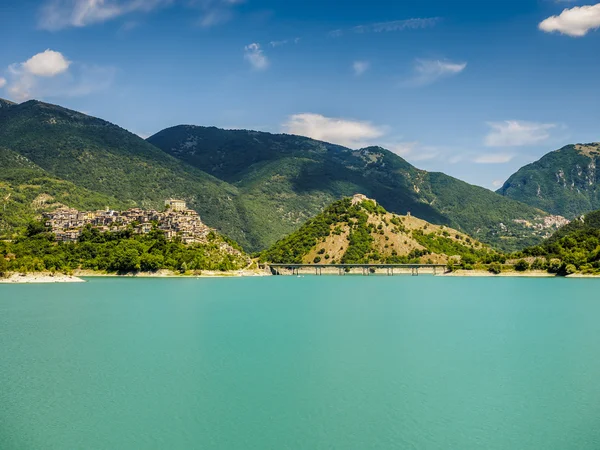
[{"x": 367, "y": 269}]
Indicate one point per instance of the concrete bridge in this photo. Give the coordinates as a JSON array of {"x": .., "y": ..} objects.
[{"x": 366, "y": 269}]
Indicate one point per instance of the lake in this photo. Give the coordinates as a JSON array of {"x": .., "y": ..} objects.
[{"x": 301, "y": 363}]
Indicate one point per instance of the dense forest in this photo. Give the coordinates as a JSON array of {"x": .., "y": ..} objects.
[{"x": 116, "y": 252}]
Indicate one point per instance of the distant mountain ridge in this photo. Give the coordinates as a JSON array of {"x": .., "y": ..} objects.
[
  {"x": 564, "y": 182},
  {"x": 251, "y": 186},
  {"x": 286, "y": 179}
]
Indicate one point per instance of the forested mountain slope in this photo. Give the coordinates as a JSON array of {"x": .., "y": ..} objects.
[
  {"x": 284, "y": 180},
  {"x": 103, "y": 158},
  {"x": 564, "y": 182}
]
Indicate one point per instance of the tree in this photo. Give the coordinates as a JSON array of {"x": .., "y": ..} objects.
[
  {"x": 150, "y": 262},
  {"x": 495, "y": 268},
  {"x": 3, "y": 266},
  {"x": 522, "y": 266}
]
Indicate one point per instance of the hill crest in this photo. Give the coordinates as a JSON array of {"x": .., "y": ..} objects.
[{"x": 358, "y": 230}]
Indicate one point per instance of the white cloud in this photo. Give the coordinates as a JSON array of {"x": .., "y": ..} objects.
[
  {"x": 2, "y": 82},
  {"x": 256, "y": 57},
  {"x": 494, "y": 158},
  {"x": 394, "y": 25},
  {"x": 575, "y": 22},
  {"x": 428, "y": 71},
  {"x": 497, "y": 183},
  {"x": 59, "y": 14},
  {"x": 50, "y": 74},
  {"x": 47, "y": 64},
  {"x": 349, "y": 133},
  {"x": 278, "y": 43},
  {"x": 360, "y": 67},
  {"x": 514, "y": 133}
]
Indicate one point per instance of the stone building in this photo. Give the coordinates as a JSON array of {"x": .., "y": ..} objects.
[{"x": 175, "y": 205}]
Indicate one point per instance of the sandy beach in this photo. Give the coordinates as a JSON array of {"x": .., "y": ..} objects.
[
  {"x": 485, "y": 273},
  {"x": 170, "y": 274},
  {"x": 35, "y": 278}
]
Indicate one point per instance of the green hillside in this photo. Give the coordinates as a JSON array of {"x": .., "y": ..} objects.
[
  {"x": 283, "y": 180},
  {"x": 27, "y": 190},
  {"x": 254, "y": 187},
  {"x": 107, "y": 160},
  {"x": 357, "y": 230},
  {"x": 573, "y": 248},
  {"x": 564, "y": 182}
]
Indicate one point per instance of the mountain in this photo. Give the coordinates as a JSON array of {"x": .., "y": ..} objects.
[
  {"x": 253, "y": 187},
  {"x": 573, "y": 248},
  {"x": 109, "y": 163},
  {"x": 6, "y": 103},
  {"x": 564, "y": 182},
  {"x": 358, "y": 230},
  {"x": 27, "y": 190},
  {"x": 283, "y": 180}
]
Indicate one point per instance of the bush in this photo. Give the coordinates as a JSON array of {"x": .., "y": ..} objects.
[
  {"x": 538, "y": 264},
  {"x": 495, "y": 268},
  {"x": 317, "y": 260},
  {"x": 522, "y": 266},
  {"x": 570, "y": 269},
  {"x": 3, "y": 266},
  {"x": 554, "y": 266}
]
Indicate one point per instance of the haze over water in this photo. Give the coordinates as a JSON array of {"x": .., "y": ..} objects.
[{"x": 301, "y": 363}]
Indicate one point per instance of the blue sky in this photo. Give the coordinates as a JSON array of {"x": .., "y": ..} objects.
[{"x": 472, "y": 88}]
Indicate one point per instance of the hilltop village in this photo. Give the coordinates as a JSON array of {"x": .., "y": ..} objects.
[{"x": 176, "y": 221}]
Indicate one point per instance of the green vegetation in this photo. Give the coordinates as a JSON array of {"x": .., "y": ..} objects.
[
  {"x": 77, "y": 156},
  {"x": 254, "y": 187},
  {"x": 563, "y": 182},
  {"x": 285, "y": 180},
  {"x": 574, "y": 248},
  {"x": 119, "y": 252},
  {"x": 294, "y": 247},
  {"x": 365, "y": 223}
]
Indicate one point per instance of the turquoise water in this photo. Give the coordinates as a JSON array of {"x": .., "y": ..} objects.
[{"x": 301, "y": 363}]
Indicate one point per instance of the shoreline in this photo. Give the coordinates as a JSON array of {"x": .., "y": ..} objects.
[
  {"x": 514, "y": 274},
  {"x": 40, "y": 278},
  {"x": 79, "y": 275},
  {"x": 170, "y": 274}
]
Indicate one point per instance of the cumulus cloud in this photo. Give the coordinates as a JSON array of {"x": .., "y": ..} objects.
[
  {"x": 346, "y": 132},
  {"x": 360, "y": 67},
  {"x": 394, "y": 25},
  {"x": 47, "y": 64},
  {"x": 494, "y": 158},
  {"x": 51, "y": 74},
  {"x": 575, "y": 22},
  {"x": 497, "y": 183},
  {"x": 428, "y": 71},
  {"x": 2, "y": 82},
  {"x": 256, "y": 57},
  {"x": 514, "y": 133}
]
